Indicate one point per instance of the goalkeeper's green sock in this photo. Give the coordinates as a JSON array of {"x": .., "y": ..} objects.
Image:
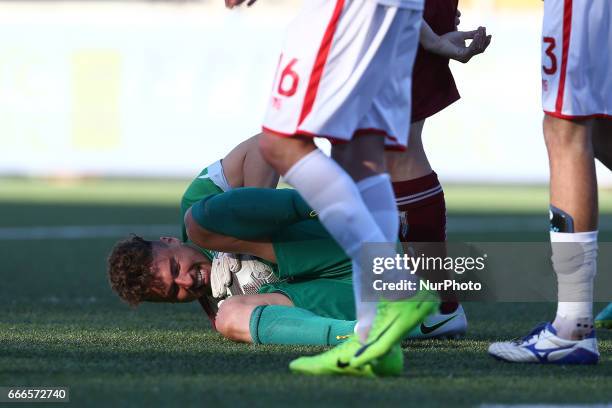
[
  {"x": 274, "y": 324},
  {"x": 249, "y": 213}
]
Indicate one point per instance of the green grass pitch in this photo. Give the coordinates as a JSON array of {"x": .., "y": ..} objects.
[{"x": 60, "y": 324}]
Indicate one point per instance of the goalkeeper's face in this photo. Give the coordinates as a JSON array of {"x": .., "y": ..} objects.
[{"x": 182, "y": 273}]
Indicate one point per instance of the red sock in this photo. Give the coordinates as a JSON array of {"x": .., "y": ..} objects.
[{"x": 422, "y": 211}]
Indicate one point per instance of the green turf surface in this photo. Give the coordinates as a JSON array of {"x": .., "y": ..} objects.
[{"x": 60, "y": 324}]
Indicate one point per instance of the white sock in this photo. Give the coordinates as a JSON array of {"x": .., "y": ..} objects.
[
  {"x": 377, "y": 193},
  {"x": 330, "y": 191},
  {"x": 378, "y": 196},
  {"x": 365, "y": 311},
  {"x": 574, "y": 260}
]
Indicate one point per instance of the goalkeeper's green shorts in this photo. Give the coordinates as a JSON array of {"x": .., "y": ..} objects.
[{"x": 328, "y": 297}]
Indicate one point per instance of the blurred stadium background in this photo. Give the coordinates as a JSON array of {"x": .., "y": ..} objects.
[
  {"x": 107, "y": 108},
  {"x": 162, "y": 88}
]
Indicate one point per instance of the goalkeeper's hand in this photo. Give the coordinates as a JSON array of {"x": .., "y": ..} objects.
[{"x": 223, "y": 266}]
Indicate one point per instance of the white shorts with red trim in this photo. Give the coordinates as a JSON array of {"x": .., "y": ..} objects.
[
  {"x": 577, "y": 58},
  {"x": 346, "y": 69}
]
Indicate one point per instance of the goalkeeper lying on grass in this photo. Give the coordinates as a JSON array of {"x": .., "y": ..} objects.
[{"x": 293, "y": 287}]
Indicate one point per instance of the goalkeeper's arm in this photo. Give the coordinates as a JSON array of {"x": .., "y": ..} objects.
[{"x": 250, "y": 213}]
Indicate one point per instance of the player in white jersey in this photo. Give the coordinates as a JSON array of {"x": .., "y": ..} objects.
[
  {"x": 345, "y": 74},
  {"x": 577, "y": 100},
  {"x": 329, "y": 83}
]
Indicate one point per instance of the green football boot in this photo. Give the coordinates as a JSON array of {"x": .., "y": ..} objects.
[
  {"x": 393, "y": 321},
  {"x": 336, "y": 361},
  {"x": 604, "y": 318},
  {"x": 390, "y": 364}
]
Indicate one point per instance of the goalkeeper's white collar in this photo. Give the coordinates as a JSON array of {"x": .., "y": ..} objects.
[{"x": 216, "y": 175}]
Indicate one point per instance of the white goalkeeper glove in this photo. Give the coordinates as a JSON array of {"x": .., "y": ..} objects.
[{"x": 223, "y": 266}]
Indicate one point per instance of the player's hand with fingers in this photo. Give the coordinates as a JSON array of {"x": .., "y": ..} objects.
[
  {"x": 223, "y": 266},
  {"x": 454, "y": 44},
  {"x": 233, "y": 3}
]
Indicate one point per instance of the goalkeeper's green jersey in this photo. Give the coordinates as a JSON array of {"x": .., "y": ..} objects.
[
  {"x": 202, "y": 186},
  {"x": 315, "y": 273}
]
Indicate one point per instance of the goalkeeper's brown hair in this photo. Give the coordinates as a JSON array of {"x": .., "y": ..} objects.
[{"x": 129, "y": 269}]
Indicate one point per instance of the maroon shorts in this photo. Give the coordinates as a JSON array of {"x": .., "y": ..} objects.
[{"x": 433, "y": 86}]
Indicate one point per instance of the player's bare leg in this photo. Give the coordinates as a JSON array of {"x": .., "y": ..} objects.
[
  {"x": 412, "y": 163},
  {"x": 283, "y": 152},
  {"x": 573, "y": 200},
  {"x": 570, "y": 338},
  {"x": 362, "y": 157},
  {"x": 573, "y": 182}
]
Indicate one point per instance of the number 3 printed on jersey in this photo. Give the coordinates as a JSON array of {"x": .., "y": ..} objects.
[
  {"x": 289, "y": 79},
  {"x": 552, "y": 68}
]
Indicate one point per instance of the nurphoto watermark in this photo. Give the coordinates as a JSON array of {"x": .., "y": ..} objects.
[{"x": 479, "y": 271}]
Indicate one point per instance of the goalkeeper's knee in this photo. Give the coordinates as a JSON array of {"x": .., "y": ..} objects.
[{"x": 232, "y": 320}]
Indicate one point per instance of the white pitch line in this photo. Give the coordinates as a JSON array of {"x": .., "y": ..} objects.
[
  {"x": 84, "y": 231},
  {"x": 471, "y": 224}
]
